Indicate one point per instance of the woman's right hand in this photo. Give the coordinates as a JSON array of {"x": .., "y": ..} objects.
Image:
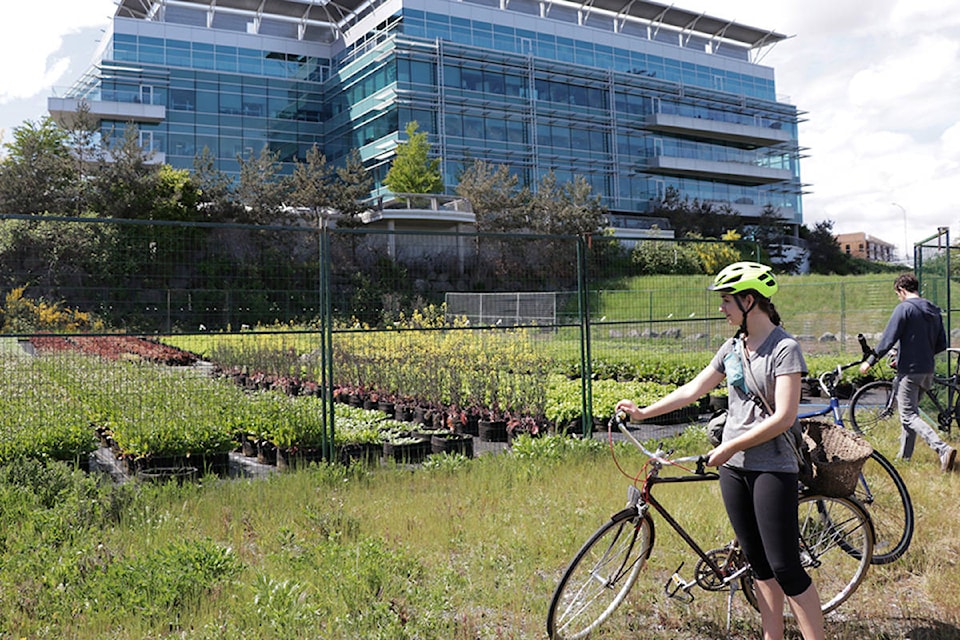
[{"x": 630, "y": 408}]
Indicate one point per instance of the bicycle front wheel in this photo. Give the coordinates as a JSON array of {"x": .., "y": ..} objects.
[
  {"x": 873, "y": 411},
  {"x": 600, "y": 576},
  {"x": 884, "y": 493},
  {"x": 836, "y": 546}
]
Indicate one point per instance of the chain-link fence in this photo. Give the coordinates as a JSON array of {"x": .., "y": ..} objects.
[
  {"x": 465, "y": 324},
  {"x": 936, "y": 264}
]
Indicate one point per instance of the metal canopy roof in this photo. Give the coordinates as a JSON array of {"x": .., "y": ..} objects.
[
  {"x": 698, "y": 23},
  {"x": 312, "y": 11},
  {"x": 338, "y": 13}
]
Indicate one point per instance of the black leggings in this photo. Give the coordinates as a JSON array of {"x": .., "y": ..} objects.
[{"x": 762, "y": 507}]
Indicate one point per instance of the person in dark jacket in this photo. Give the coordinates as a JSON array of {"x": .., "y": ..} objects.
[{"x": 916, "y": 324}]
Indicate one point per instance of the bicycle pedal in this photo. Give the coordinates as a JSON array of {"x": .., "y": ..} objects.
[{"x": 676, "y": 587}]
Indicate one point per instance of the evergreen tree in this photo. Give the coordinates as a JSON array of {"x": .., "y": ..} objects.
[
  {"x": 38, "y": 174},
  {"x": 498, "y": 202},
  {"x": 352, "y": 189},
  {"x": 262, "y": 188},
  {"x": 217, "y": 196},
  {"x": 313, "y": 183},
  {"x": 826, "y": 256},
  {"x": 412, "y": 170},
  {"x": 124, "y": 183}
]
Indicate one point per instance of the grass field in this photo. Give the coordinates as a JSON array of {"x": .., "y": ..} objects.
[{"x": 452, "y": 550}]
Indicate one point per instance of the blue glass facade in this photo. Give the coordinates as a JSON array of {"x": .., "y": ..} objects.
[{"x": 633, "y": 108}]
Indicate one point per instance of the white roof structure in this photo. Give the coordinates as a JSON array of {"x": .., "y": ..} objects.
[{"x": 336, "y": 15}]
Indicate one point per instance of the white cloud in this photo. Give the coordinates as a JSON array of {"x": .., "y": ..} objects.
[
  {"x": 905, "y": 72},
  {"x": 31, "y": 35}
]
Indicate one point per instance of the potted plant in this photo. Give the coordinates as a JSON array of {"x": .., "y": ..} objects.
[
  {"x": 492, "y": 425},
  {"x": 452, "y": 442}
]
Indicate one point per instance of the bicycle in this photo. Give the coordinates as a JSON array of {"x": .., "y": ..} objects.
[
  {"x": 836, "y": 542},
  {"x": 874, "y": 405},
  {"x": 880, "y": 487}
]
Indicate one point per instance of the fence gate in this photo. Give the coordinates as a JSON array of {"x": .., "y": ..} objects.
[{"x": 934, "y": 258}]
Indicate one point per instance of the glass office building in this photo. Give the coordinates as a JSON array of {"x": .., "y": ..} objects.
[{"x": 634, "y": 96}]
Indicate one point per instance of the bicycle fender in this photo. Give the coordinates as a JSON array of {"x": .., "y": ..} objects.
[{"x": 625, "y": 513}]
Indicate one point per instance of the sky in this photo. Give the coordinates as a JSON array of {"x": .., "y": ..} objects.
[{"x": 878, "y": 82}]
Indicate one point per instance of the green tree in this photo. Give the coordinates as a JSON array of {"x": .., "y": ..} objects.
[
  {"x": 81, "y": 128},
  {"x": 124, "y": 182},
  {"x": 312, "y": 184},
  {"x": 352, "y": 189},
  {"x": 695, "y": 216},
  {"x": 826, "y": 256},
  {"x": 217, "y": 197},
  {"x": 262, "y": 188},
  {"x": 38, "y": 174},
  {"x": 412, "y": 170},
  {"x": 176, "y": 195},
  {"x": 567, "y": 209},
  {"x": 498, "y": 202}
]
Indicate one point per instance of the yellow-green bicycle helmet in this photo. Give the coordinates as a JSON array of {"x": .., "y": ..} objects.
[{"x": 745, "y": 276}]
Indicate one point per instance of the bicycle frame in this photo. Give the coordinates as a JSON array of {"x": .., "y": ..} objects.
[
  {"x": 947, "y": 410},
  {"x": 645, "y": 498}
]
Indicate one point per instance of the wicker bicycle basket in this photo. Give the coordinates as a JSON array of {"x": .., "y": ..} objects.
[{"x": 837, "y": 456}]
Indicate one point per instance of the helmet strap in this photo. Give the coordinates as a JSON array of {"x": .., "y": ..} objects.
[{"x": 744, "y": 312}]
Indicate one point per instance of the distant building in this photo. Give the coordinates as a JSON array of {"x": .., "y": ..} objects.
[{"x": 862, "y": 245}]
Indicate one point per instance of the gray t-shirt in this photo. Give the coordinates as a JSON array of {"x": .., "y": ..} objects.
[{"x": 778, "y": 355}]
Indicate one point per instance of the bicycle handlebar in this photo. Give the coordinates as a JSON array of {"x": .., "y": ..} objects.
[
  {"x": 659, "y": 456},
  {"x": 828, "y": 378}
]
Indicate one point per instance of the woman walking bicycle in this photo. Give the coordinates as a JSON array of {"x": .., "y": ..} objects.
[{"x": 757, "y": 459}]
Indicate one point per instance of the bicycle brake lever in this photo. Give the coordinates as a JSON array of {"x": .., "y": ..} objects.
[{"x": 701, "y": 466}]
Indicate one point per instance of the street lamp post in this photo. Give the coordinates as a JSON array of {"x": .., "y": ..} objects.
[{"x": 906, "y": 245}]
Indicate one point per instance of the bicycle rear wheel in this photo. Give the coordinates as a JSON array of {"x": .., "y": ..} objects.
[
  {"x": 873, "y": 410},
  {"x": 874, "y": 414},
  {"x": 600, "y": 575},
  {"x": 836, "y": 545},
  {"x": 885, "y": 495}
]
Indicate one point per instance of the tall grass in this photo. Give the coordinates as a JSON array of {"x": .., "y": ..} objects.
[{"x": 456, "y": 549}]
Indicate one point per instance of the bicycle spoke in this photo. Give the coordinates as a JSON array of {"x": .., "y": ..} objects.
[
  {"x": 883, "y": 492},
  {"x": 600, "y": 577},
  {"x": 836, "y": 546}
]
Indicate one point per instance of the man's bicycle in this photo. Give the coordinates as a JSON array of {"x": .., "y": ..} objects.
[
  {"x": 873, "y": 407},
  {"x": 880, "y": 486},
  {"x": 836, "y": 542}
]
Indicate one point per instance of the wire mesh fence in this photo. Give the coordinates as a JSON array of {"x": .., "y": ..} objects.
[{"x": 166, "y": 330}]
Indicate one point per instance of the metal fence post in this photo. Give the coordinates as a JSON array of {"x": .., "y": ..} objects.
[
  {"x": 583, "y": 290},
  {"x": 326, "y": 341}
]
